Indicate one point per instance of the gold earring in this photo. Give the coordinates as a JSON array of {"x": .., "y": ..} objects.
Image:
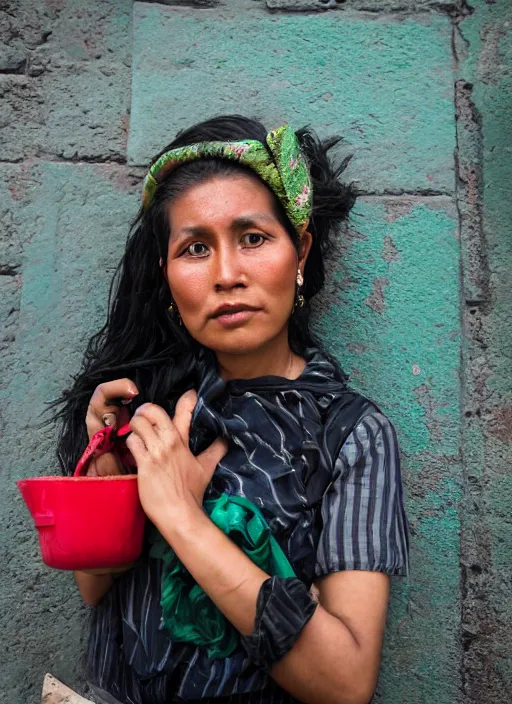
[
  {"x": 173, "y": 310},
  {"x": 299, "y": 298}
]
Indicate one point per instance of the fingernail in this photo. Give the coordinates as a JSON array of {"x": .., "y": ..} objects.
[{"x": 109, "y": 419}]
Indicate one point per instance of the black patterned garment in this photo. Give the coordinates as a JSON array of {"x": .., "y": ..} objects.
[{"x": 321, "y": 462}]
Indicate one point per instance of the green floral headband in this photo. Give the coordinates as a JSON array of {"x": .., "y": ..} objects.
[{"x": 280, "y": 163}]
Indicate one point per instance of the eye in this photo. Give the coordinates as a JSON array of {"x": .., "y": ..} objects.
[
  {"x": 253, "y": 239},
  {"x": 197, "y": 249}
]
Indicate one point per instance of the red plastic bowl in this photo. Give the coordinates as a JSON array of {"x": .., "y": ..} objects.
[{"x": 87, "y": 522}]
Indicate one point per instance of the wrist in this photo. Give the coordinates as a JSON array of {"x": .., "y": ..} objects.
[{"x": 180, "y": 520}]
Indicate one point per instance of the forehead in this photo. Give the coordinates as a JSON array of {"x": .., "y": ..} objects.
[{"x": 222, "y": 198}]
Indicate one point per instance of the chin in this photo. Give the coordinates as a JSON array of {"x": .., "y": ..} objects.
[
  {"x": 239, "y": 342},
  {"x": 226, "y": 347}
]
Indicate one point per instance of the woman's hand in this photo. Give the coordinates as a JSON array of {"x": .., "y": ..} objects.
[
  {"x": 170, "y": 477},
  {"x": 101, "y": 404}
]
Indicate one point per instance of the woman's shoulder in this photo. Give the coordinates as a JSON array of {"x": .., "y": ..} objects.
[
  {"x": 372, "y": 433},
  {"x": 372, "y": 418},
  {"x": 357, "y": 421}
]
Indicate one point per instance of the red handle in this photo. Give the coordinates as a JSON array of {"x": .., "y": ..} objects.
[{"x": 105, "y": 440}]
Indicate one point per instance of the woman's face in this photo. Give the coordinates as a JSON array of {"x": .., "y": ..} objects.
[{"x": 232, "y": 266}]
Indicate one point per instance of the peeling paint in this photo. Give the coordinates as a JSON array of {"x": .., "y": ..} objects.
[
  {"x": 389, "y": 251},
  {"x": 376, "y": 298},
  {"x": 499, "y": 425}
]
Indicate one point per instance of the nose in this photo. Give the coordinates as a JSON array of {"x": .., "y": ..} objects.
[{"x": 229, "y": 272}]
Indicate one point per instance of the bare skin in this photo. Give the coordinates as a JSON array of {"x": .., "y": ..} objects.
[{"x": 221, "y": 251}]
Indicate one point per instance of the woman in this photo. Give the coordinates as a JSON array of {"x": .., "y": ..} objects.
[{"x": 208, "y": 338}]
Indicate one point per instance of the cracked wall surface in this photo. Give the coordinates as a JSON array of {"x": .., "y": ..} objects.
[
  {"x": 484, "y": 128},
  {"x": 417, "y": 305}
]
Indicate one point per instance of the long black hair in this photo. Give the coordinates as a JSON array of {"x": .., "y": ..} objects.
[{"x": 141, "y": 340}]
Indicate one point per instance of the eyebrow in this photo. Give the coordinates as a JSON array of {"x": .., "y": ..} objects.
[
  {"x": 240, "y": 223},
  {"x": 249, "y": 220}
]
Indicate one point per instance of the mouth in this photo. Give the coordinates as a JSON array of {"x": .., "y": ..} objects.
[
  {"x": 232, "y": 310},
  {"x": 233, "y": 315}
]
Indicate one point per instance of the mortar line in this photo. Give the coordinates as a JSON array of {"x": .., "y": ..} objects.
[
  {"x": 121, "y": 161},
  {"x": 136, "y": 169},
  {"x": 368, "y": 14},
  {"x": 457, "y": 10}
]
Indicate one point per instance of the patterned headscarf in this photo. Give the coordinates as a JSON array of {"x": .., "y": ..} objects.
[{"x": 279, "y": 163}]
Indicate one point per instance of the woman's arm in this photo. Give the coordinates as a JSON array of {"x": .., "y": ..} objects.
[
  {"x": 337, "y": 656},
  {"x": 94, "y": 584},
  {"x": 92, "y": 587},
  {"x": 340, "y": 647}
]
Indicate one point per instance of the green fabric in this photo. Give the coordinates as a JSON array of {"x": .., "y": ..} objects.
[
  {"x": 188, "y": 612},
  {"x": 279, "y": 162}
]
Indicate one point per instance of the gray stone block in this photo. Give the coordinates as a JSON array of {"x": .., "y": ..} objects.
[
  {"x": 73, "y": 220},
  {"x": 71, "y": 97},
  {"x": 383, "y": 83}
]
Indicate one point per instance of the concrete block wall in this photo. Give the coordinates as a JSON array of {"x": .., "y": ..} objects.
[{"x": 416, "y": 308}]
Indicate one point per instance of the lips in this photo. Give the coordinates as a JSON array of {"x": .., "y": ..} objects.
[{"x": 229, "y": 309}]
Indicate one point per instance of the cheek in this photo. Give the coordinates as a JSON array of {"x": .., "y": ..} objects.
[
  {"x": 277, "y": 274},
  {"x": 189, "y": 285}
]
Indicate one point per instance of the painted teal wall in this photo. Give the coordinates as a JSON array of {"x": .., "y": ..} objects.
[{"x": 417, "y": 306}]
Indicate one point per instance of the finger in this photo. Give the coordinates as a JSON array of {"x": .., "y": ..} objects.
[
  {"x": 109, "y": 419},
  {"x": 138, "y": 449},
  {"x": 144, "y": 429},
  {"x": 183, "y": 415},
  {"x": 210, "y": 458},
  {"x": 105, "y": 401},
  {"x": 92, "y": 471},
  {"x": 104, "y": 466},
  {"x": 158, "y": 418},
  {"x": 106, "y": 396},
  {"x": 110, "y": 391},
  {"x": 115, "y": 418},
  {"x": 93, "y": 422}
]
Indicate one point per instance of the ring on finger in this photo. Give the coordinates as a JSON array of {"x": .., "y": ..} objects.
[{"x": 109, "y": 419}]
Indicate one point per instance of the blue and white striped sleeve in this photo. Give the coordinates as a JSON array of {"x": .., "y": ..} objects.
[{"x": 364, "y": 521}]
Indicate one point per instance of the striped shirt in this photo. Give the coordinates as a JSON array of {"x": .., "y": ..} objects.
[{"x": 321, "y": 462}]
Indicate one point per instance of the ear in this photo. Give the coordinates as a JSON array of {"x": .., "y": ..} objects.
[{"x": 306, "y": 241}]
